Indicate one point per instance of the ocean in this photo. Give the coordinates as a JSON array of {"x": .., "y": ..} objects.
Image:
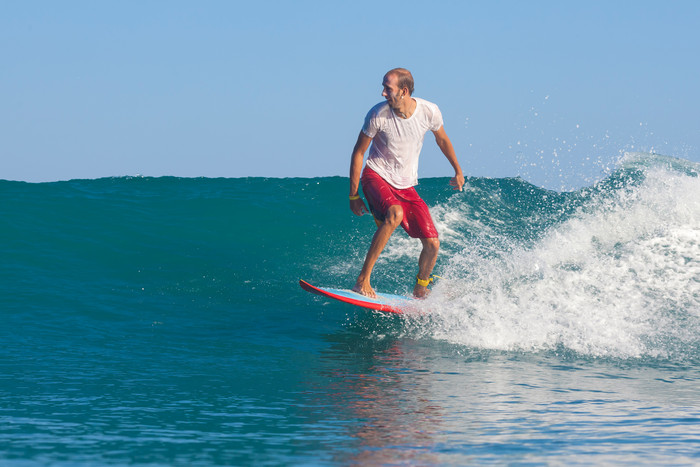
[{"x": 159, "y": 321}]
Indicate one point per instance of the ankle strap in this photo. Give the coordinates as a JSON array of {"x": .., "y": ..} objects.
[{"x": 423, "y": 283}]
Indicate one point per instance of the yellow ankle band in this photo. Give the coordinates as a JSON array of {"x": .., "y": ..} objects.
[{"x": 423, "y": 283}]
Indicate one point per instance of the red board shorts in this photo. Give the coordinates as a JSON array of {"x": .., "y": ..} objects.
[{"x": 380, "y": 196}]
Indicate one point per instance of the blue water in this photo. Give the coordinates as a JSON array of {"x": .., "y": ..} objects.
[{"x": 159, "y": 321}]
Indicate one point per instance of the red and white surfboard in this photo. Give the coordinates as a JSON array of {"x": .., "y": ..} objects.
[{"x": 389, "y": 303}]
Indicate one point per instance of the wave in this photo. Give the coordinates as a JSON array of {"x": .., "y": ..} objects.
[
  {"x": 610, "y": 270},
  {"x": 616, "y": 273}
]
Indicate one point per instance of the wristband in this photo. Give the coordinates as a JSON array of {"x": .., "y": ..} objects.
[{"x": 353, "y": 198}]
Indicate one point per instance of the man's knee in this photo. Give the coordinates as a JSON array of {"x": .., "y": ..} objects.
[
  {"x": 431, "y": 245},
  {"x": 394, "y": 215}
]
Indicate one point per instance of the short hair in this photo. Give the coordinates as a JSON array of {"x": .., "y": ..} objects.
[{"x": 404, "y": 77}]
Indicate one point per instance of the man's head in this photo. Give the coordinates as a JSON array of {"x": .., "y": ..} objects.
[
  {"x": 398, "y": 84},
  {"x": 404, "y": 79}
]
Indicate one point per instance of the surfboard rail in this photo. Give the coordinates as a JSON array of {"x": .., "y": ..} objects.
[{"x": 388, "y": 303}]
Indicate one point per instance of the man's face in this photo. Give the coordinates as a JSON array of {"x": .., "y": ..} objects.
[{"x": 391, "y": 91}]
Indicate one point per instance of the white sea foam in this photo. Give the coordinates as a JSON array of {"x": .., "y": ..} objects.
[{"x": 620, "y": 278}]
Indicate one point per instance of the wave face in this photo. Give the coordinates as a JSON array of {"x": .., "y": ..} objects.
[{"x": 610, "y": 270}]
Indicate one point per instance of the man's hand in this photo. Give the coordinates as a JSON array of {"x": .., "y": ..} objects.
[
  {"x": 443, "y": 141},
  {"x": 357, "y": 206},
  {"x": 457, "y": 182},
  {"x": 358, "y": 153}
]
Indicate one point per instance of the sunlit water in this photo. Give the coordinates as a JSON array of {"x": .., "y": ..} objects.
[{"x": 159, "y": 322}]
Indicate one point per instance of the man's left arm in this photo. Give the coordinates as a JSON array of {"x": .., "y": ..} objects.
[{"x": 443, "y": 141}]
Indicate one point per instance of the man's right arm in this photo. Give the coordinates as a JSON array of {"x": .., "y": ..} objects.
[{"x": 358, "y": 154}]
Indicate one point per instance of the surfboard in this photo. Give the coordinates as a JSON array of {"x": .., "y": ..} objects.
[{"x": 389, "y": 303}]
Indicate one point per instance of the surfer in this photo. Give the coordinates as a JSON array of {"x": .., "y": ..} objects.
[{"x": 395, "y": 129}]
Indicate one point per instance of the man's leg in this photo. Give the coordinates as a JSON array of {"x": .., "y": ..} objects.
[
  {"x": 393, "y": 219},
  {"x": 426, "y": 263}
]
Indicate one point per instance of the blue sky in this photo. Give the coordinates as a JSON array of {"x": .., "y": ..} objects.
[{"x": 553, "y": 91}]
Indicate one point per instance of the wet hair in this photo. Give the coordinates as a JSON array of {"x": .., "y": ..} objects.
[{"x": 404, "y": 77}]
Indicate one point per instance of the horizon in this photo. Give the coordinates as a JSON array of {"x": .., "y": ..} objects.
[{"x": 553, "y": 93}]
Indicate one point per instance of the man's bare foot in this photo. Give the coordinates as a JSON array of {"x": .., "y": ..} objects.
[
  {"x": 364, "y": 289},
  {"x": 420, "y": 292}
]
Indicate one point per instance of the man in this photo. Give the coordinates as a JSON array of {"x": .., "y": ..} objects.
[{"x": 396, "y": 128}]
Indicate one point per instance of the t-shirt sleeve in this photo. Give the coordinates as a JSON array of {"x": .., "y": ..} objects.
[
  {"x": 436, "y": 119},
  {"x": 371, "y": 125}
]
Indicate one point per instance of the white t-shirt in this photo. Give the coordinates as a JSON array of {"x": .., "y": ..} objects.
[{"x": 397, "y": 141}]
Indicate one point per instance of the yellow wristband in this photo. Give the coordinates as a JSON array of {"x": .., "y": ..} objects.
[{"x": 353, "y": 198}]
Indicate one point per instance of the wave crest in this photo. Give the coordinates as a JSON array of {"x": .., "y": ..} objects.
[{"x": 612, "y": 270}]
